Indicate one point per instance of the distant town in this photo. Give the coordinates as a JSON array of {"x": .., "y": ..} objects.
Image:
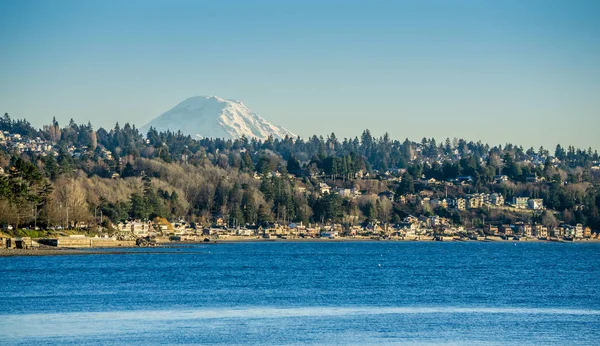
[{"x": 66, "y": 186}]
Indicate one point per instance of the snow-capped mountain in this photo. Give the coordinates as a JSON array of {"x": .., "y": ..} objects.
[{"x": 214, "y": 117}]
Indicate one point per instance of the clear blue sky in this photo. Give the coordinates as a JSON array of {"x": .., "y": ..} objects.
[{"x": 522, "y": 71}]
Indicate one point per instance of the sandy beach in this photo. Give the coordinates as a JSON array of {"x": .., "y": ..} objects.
[
  {"x": 92, "y": 251},
  {"x": 49, "y": 252},
  {"x": 53, "y": 251}
]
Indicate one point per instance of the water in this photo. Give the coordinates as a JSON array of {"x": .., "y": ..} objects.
[{"x": 307, "y": 293}]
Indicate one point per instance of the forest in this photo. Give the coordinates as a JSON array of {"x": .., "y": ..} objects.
[{"x": 89, "y": 177}]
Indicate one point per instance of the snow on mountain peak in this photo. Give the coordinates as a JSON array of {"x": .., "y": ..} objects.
[{"x": 215, "y": 117}]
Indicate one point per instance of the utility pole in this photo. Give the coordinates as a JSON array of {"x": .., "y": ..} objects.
[{"x": 34, "y": 216}]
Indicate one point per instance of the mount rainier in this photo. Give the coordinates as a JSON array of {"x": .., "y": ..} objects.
[{"x": 214, "y": 117}]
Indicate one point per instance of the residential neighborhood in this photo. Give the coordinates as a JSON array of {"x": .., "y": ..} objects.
[{"x": 319, "y": 189}]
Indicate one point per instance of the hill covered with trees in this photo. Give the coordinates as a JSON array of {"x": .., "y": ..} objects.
[{"x": 70, "y": 175}]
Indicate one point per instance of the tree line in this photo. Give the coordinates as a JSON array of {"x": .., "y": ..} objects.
[{"x": 247, "y": 181}]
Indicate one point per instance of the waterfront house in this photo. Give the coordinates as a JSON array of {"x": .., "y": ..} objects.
[
  {"x": 525, "y": 229},
  {"x": 139, "y": 229},
  {"x": 569, "y": 231},
  {"x": 245, "y": 232},
  {"x": 579, "y": 231},
  {"x": 558, "y": 232},
  {"x": 540, "y": 231},
  {"x": 505, "y": 229},
  {"x": 490, "y": 229},
  {"x": 329, "y": 234}
]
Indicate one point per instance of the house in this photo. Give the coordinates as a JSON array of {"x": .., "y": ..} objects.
[
  {"x": 435, "y": 203},
  {"x": 140, "y": 229},
  {"x": 558, "y": 232},
  {"x": 434, "y": 221},
  {"x": 343, "y": 192},
  {"x": 411, "y": 219},
  {"x": 387, "y": 195},
  {"x": 443, "y": 203},
  {"x": 498, "y": 179},
  {"x": 466, "y": 178},
  {"x": 569, "y": 231},
  {"x": 496, "y": 199},
  {"x": 460, "y": 204},
  {"x": 579, "y": 231},
  {"x": 329, "y": 234},
  {"x": 245, "y": 232},
  {"x": 348, "y": 193},
  {"x": 540, "y": 231},
  {"x": 520, "y": 202},
  {"x": 505, "y": 229},
  {"x": 490, "y": 229},
  {"x": 324, "y": 188},
  {"x": 525, "y": 229},
  {"x": 430, "y": 181},
  {"x": 535, "y": 203},
  {"x": 533, "y": 178},
  {"x": 474, "y": 201}
]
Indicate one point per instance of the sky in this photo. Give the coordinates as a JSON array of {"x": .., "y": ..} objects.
[{"x": 525, "y": 72}]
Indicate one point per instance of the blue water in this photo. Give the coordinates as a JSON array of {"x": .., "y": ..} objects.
[{"x": 307, "y": 293}]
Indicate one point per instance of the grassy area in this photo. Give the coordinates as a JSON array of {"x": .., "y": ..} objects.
[
  {"x": 30, "y": 233},
  {"x": 45, "y": 233}
]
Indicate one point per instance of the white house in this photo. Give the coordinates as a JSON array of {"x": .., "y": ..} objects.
[{"x": 535, "y": 203}]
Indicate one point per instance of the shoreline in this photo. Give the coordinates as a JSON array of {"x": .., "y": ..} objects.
[
  {"x": 54, "y": 252},
  {"x": 71, "y": 251},
  {"x": 358, "y": 240},
  {"x": 50, "y": 251}
]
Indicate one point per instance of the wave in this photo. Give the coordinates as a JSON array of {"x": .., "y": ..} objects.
[
  {"x": 279, "y": 312},
  {"x": 116, "y": 324}
]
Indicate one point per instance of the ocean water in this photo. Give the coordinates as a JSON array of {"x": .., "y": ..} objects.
[{"x": 307, "y": 293}]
